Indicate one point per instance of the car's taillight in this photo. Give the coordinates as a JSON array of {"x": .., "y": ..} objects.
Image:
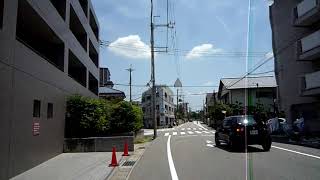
[{"x": 240, "y": 129}]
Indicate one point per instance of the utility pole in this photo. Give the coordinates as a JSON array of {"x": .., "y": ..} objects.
[
  {"x": 153, "y": 94},
  {"x": 130, "y": 81},
  {"x": 153, "y": 81}
]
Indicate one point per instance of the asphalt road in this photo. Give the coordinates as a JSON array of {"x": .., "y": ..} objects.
[{"x": 191, "y": 155}]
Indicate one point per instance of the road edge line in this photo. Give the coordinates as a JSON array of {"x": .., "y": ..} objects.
[
  {"x": 297, "y": 152},
  {"x": 173, "y": 171}
]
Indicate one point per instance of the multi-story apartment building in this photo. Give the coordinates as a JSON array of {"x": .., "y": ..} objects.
[
  {"x": 296, "y": 45},
  {"x": 49, "y": 50},
  {"x": 165, "y": 107}
]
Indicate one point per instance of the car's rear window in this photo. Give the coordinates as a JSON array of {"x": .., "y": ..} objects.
[{"x": 247, "y": 120}]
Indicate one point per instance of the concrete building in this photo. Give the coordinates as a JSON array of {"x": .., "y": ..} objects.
[
  {"x": 259, "y": 90},
  {"x": 105, "y": 80},
  {"x": 106, "y": 90},
  {"x": 296, "y": 45},
  {"x": 49, "y": 50},
  {"x": 165, "y": 107}
]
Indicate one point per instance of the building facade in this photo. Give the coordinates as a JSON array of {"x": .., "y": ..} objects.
[
  {"x": 165, "y": 107},
  {"x": 49, "y": 50},
  {"x": 249, "y": 91},
  {"x": 106, "y": 90},
  {"x": 296, "y": 45}
]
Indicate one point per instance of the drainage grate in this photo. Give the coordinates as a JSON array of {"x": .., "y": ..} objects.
[
  {"x": 128, "y": 163},
  {"x": 141, "y": 148}
]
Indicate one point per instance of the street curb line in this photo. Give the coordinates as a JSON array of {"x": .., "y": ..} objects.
[
  {"x": 114, "y": 169},
  {"x": 146, "y": 147}
]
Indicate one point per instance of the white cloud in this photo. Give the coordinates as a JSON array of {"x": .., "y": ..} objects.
[
  {"x": 269, "y": 55},
  {"x": 131, "y": 47},
  {"x": 208, "y": 83},
  {"x": 202, "y": 50}
]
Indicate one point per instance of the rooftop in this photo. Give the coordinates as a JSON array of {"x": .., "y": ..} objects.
[{"x": 249, "y": 82}]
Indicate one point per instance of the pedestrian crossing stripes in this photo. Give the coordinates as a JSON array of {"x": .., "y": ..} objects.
[
  {"x": 181, "y": 133},
  {"x": 189, "y": 128},
  {"x": 183, "y": 129}
]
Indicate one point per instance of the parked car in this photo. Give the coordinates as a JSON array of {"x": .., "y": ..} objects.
[{"x": 239, "y": 131}]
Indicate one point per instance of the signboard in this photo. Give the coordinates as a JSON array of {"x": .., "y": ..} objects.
[{"x": 36, "y": 128}]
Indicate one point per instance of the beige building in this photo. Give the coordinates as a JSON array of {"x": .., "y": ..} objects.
[
  {"x": 165, "y": 107},
  {"x": 296, "y": 45},
  {"x": 256, "y": 89}
]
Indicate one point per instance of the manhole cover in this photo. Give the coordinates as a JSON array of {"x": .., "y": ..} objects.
[{"x": 128, "y": 163}]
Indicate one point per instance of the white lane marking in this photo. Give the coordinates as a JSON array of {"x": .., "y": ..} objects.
[
  {"x": 190, "y": 132},
  {"x": 174, "y": 133},
  {"x": 194, "y": 128},
  {"x": 166, "y": 134},
  {"x": 198, "y": 132},
  {"x": 189, "y": 128},
  {"x": 183, "y": 129},
  {"x": 202, "y": 127},
  {"x": 206, "y": 132},
  {"x": 182, "y": 133},
  {"x": 210, "y": 145},
  {"x": 209, "y": 142},
  {"x": 304, "y": 154},
  {"x": 173, "y": 171},
  {"x": 213, "y": 132}
]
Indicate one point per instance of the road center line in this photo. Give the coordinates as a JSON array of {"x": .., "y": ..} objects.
[
  {"x": 304, "y": 154},
  {"x": 173, "y": 171}
]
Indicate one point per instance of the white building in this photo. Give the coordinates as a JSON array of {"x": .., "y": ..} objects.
[{"x": 165, "y": 107}]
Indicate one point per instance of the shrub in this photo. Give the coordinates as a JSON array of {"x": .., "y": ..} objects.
[
  {"x": 86, "y": 116},
  {"x": 97, "y": 117}
]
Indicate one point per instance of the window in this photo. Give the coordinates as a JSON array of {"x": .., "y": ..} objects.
[
  {"x": 60, "y": 6},
  {"x": 1, "y": 13},
  {"x": 261, "y": 94},
  {"x": 36, "y": 108},
  {"x": 50, "y": 111},
  {"x": 42, "y": 40},
  {"x": 84, "y": 6},
  {"x": 166, "y": 107},
  {"x": 94, "y": 26},
  {"x": 93, "y": 54},
  {"x": 77, "y": 29},
  {"x": 158, "y": 107},
  {"x": 93, "y": 84},
  {"x": 77, "y": 70}
]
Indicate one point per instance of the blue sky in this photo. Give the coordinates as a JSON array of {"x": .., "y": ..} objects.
[{"x": 207, "y": 32}]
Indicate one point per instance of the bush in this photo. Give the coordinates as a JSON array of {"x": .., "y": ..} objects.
[
  {"x": 126, "y": 117},
  {"x": 87, "y": 117}
]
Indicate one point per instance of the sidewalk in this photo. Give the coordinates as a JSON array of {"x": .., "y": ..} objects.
[
  {"x": 72, "y": 166},
  {"x": 311, "y": 142}
]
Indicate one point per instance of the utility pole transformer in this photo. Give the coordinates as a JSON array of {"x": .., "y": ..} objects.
[{"x": 130, "y": 81}]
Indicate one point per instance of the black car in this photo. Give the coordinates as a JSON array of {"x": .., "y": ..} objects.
[{"x": 239, "y": 131}]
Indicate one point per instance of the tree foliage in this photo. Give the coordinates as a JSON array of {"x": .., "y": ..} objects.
[{"x": 96, "y": 117}]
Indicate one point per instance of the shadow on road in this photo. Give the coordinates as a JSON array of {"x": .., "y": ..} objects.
[{"x": 250, "y": 149}]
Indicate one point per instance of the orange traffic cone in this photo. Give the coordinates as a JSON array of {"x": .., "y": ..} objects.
[
  {"x": 114, "y": 161},
  {"x": 126, "y": 149}
]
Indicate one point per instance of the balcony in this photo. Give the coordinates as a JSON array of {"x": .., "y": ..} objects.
[
  {"x": 309, "y": 47},
  {"x": 307, "y": 13},
  {"x": 311, "y": 84}
]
